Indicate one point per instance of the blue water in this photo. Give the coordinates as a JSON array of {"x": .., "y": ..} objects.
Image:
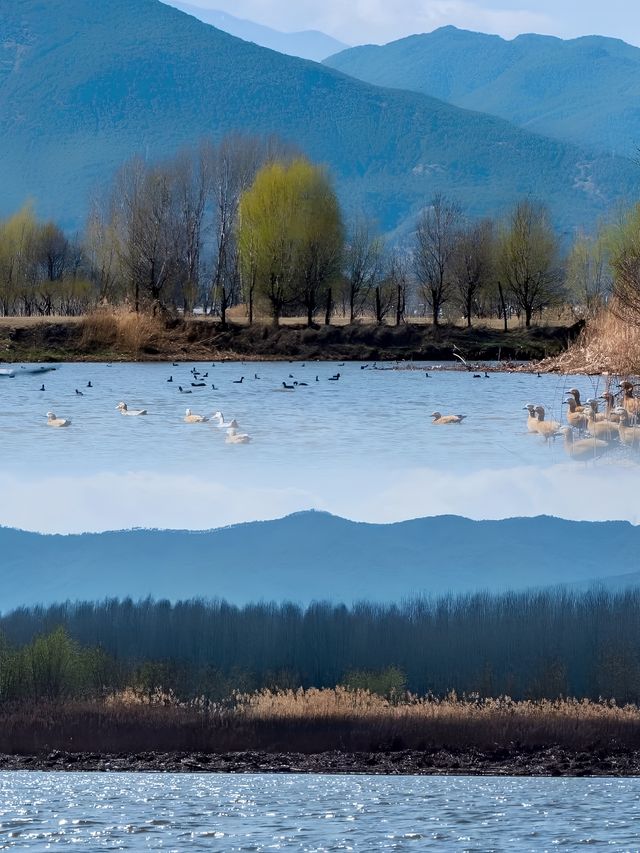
[
  {"x": 363, "y": 446},
  {"x": 39, "y": 811}
]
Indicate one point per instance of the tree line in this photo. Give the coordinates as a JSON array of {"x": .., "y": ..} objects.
[
  {"x": 252, "y": 222},
  {"x": 525, "y": 645}
]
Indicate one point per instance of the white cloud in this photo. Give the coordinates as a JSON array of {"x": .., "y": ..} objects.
[{"x": 106, "y": 501}]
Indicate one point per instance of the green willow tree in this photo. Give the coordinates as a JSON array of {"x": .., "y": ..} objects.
[
  {"x": 527, "y": 260},
  {"x": 290, "y": 236}
]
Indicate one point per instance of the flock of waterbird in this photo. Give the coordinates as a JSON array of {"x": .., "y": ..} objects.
[
  {"x": 597, "y": 430},
  {"x": 197, "y": 380}
]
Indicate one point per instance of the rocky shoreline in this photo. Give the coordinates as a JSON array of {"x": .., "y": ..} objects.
[{"x": 550, "y": 761}]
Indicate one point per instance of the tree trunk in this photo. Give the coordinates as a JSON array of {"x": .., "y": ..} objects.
[
  {"x": 378, "y": 307},
  {"x": 503, "y": 305},
  {"x": 528, "y": 313},
  {"x": 328, "y": 308}
]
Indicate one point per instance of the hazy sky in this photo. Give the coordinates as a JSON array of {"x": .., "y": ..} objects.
[{"x": 379, "y": 21}]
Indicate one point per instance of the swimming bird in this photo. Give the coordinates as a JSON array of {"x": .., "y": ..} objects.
[
  {"x": 610, "y": 406},
  {"x": 629, "y": 435},
  {"x": 134, "y": 413},
  {"x": 441, "y": 420},
  {"x": 218, "y": 417},
  {"x": 532, "y": 420},
  {"x": 190, "y": 418},
  {"x": 182, "y": 390},
  {"x": 42, "y": 388},
  {"x": 426, "y": 376},
  {"x": 53, "y": 421},
  {"x": 89, "y": 385},
  {"x": 235, "y": 437},
  {"x": 170, "y": 379},
  {"x": 575, "y": 418},
  {"x": 547, "y": 429},
  {"x": 174, "y": 364},
  {"x": 198, "y": 384},
  {"x": 287, "y": 387},
  {"x": 606, "y": 430},
  {"x": 630, "y": 403},
  {"x": 576, "y": 396},
  {"x": 79, "y": 393},
  {"x": 585, "y": 449},
  {"x": 334, "y": 378},
  {"x": 238, "y": 381}
]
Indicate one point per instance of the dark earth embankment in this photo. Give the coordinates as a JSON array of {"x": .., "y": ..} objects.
[
  {"x": 82, "y": 339},
  {"x": 512, "y": 761}
]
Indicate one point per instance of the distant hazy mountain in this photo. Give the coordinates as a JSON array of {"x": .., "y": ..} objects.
[
  {"x": 308, "y": 44},
  {"x": 585, "y": 90},
  {"x": 315, "y": 556},
  {"x": 84, "y": 85}
]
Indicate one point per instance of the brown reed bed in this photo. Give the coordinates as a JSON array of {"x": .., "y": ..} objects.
[
  {"x": 315, "y": 721},
  {"x": 609, "y": 343},
  {"x": 122, "y": 330}
]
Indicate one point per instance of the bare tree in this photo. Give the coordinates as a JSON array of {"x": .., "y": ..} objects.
[
  {"x": 473, "y": 262},
  {"x": 434, "y": 252},
  {"x": 362, "y": 266}
]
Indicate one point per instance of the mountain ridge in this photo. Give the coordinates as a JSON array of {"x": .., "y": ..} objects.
[
  {"x": 581, "y": 90},
  {"x": 306, "y": 44},
  {"x": 82, "y": 92},
  {"x": 316, "y": 556}
]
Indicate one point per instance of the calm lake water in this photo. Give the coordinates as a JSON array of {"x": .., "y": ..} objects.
[
  {"x": 362, "y": 446},
  {"x": 315, "y": 813}
]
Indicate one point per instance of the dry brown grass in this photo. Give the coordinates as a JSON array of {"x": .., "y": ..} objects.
[
  {"x": 608, "y": 344},
  {"x": 127, "y": 331},
  {"x": 314, "y": 721}
]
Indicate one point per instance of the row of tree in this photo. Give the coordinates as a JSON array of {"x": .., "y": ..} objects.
[
  {"x": 250, "y": 221},
  {"x": 526, "y": 645}
]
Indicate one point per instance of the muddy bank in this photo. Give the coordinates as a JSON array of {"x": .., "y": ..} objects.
[
  {"x": 514, "y": 761},
  {"x": 205, "y": 339}
]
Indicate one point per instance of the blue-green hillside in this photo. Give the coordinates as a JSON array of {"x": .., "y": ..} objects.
[
  {"x": 585, "y": 90},
  {"x": 84, "y": 85},
  {"x": 314, "y": 556}
]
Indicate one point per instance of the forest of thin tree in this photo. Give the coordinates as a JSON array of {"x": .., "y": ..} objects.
[
  {"x": 528, "y": 645},
  {"x": 249, "y": 222}
]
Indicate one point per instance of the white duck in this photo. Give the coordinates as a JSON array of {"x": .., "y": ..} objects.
[
  {"x": 235, "y": 437},
  {"x": 53, "y": 421},
  {"x": 134, "y": 413},
  {"x": 218, "y": 417},
  {"x": 190, "y": 418}
]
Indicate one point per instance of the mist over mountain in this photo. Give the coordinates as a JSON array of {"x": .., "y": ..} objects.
[
  {"x": 85, "y": 85},
  {"x": 307, "y": 44},
  {"x": 584, "y": 90},
  {"x": 315, "y": 556}
]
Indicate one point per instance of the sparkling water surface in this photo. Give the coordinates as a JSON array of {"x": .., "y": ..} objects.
[{"x": 40, "y": 811}]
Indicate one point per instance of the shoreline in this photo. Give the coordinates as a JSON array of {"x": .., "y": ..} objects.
[
  {"x": 549, "y": 761},
  {"x": 111, "y": 339}
]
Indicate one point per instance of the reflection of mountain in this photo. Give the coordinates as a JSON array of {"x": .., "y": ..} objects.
[
  {"x": 308, "y": 44},
  {"x": 311, "y": 556}
]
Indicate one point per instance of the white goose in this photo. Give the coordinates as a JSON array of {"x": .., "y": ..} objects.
[
  {"x": 134, "y": 413},
  {"x": 190, "y": 418},
  {"x": 53, "y": 421},
  {"x": 235, "y": 437}
]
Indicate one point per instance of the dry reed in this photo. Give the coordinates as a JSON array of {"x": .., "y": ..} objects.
[
  {"x": 609, "y": 343},
  {"x": 125, "y": 330},
  {"x": 315, "y": 721}
]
